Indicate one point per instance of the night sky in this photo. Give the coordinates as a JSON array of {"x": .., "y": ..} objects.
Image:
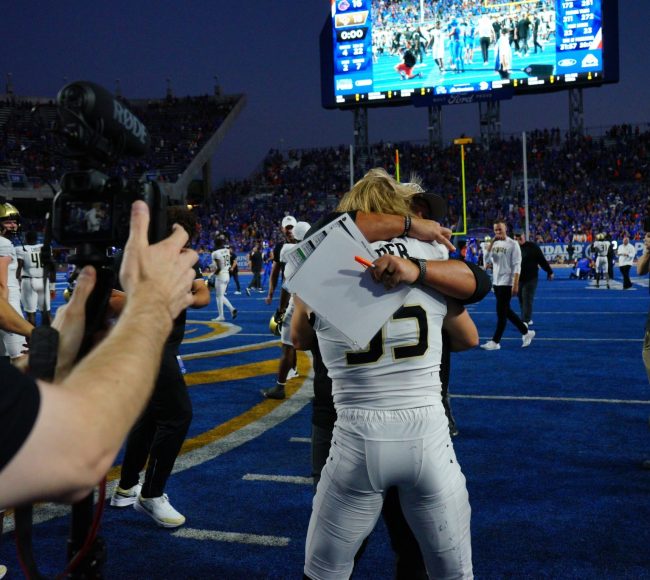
[{"x": 269, "y": 51}]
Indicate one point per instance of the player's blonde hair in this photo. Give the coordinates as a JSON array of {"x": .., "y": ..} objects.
[{"x": 378, "y": 192}]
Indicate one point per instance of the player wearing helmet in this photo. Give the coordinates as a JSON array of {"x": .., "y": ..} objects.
[
  {"x": 11, "y": 344},
  {"x": 221, "y": 267},
  {"x": 600, "y": 248}
]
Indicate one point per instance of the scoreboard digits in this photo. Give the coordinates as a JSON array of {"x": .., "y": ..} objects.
[
  {"x": 352, "y": 45},
  {"x": 366, "y": 36},
  {"x": 579, "y": 36}
]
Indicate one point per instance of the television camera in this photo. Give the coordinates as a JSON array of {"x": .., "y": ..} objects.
[
  {"x": 91, "y": 215},
  {"x": 91, "y": 212}
]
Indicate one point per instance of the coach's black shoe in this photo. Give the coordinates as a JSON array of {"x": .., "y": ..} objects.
[
  {"x": 234, "y": 313},
  {"x": 453, "y": 431},
  {"x": 276, "y": 392},
  {"x": 645, "y": 464}
]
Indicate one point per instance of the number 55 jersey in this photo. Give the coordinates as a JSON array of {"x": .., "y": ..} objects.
[{"x": 400, "y": 367}]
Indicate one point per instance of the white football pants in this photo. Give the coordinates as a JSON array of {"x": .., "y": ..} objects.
[{"x": 371, "y": 451}]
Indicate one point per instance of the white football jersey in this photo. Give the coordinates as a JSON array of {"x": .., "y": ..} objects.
[
  {"x": 288, "y": 268},
  {"x": 8, "y": 249},
  {"x": 601, "y": 248},
  {"x": 31, "y": 257},
  {"x": 400, "y": 367},
  {"x": 221, "y": 259}
]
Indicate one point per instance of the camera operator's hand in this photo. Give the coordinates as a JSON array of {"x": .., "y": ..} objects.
[
  {"x": 70, "y": 322},
  {"x": 164, "y": 269}
]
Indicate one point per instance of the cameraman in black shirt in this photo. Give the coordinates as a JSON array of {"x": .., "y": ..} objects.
[{"x": 159, "y": 433}]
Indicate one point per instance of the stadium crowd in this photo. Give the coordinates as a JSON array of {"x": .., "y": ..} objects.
[
  {"x": 30, "y": 149},
  {"x": 577, "y": 187}
]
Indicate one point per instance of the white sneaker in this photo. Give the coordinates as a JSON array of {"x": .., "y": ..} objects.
[
  {"x": 491, "y": 345},
  {"x": 527, "y": 338},
  {"x": 292, "y": 374},
  {"x": 237, "y": 293},
  {"x": 160, "y": 510},
  {"x": 529, "y": 323},
  {"x": 219, "y": 319},
  {"x": 125, "y": 497}
]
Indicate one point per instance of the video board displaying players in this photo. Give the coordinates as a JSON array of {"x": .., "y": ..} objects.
[{"x": 393, "y": 50}]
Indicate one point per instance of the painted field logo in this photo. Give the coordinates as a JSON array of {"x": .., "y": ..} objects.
[{"x": 567, "y": 62}]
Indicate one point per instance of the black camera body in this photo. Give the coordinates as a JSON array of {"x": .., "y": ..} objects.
[
  {"x": 92, "y": 210},
  {"x": 95, "y": 209}
]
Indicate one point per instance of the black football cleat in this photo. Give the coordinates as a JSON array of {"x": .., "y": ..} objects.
[{"x": 276, "y": 392}]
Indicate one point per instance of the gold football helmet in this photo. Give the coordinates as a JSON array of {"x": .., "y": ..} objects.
[
  {"x": 275, "y": 324},
  {"x": 8, "y": 212}
]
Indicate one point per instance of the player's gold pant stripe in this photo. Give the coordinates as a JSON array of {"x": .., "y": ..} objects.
[{"x": 253, "y": 414}]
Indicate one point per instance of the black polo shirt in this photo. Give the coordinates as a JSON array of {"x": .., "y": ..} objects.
[{"x": 20, "y": 401}]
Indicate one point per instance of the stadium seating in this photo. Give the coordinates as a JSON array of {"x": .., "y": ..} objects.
[{"x": 576, "y": 187}]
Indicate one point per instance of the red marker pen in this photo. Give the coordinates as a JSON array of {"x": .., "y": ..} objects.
[{"x": 364, "y": 262}]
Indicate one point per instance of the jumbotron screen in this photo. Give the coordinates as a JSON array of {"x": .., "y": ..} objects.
[{"x": 380, "y": 52}]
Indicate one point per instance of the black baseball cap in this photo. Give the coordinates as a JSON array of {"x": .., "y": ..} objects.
[{"x": 437, "y": 205}]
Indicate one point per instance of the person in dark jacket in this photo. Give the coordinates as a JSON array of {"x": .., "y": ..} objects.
[{"x": 532, "y": 259}]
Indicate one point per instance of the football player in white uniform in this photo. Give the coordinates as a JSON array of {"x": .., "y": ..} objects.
[
  {"x": 221, "y": 267},
  {"x": 34, "y": 286},
  {"x": 600, "y": 247},
  {"x": 391, "y": 428},
  {"x": 287, "y": 367},
  {"x": 299, "y": 231},
  {"x": 11, "y": 344}
]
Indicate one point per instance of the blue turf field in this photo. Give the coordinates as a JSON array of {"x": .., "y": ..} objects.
[{"x": 551, "y": 440}]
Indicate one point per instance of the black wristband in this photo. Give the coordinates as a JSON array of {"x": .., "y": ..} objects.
[
  {"x": 422, "y": 265},
  {"x": 407, "y": 225}
]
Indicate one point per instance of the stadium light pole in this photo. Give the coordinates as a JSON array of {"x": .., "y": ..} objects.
[
  {"x": 525, "y": 165},
  {"x": 462, "y": 141}
]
